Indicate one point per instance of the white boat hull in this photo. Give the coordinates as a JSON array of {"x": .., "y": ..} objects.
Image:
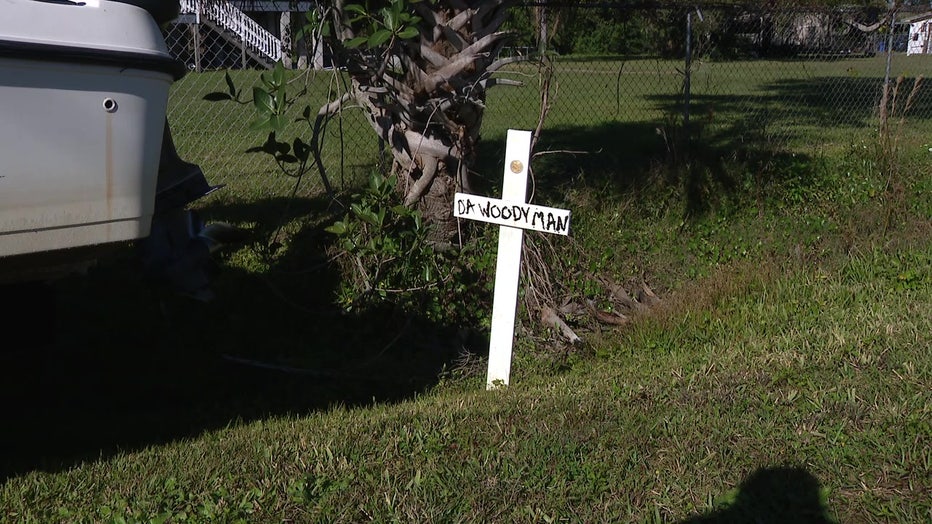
[
  {"x": 79, "y": 154},
  {"x": 80, "y": 125}
]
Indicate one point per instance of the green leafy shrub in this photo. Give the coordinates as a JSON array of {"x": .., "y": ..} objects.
[{"x": 386, "y": 260}]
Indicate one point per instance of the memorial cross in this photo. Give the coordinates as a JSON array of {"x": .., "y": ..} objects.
[{"x": 514, "y": 215}]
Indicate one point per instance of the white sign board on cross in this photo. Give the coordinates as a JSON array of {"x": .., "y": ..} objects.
[
  {"x": 506, "y": 213},
  {"x": 514, "y": 215}
]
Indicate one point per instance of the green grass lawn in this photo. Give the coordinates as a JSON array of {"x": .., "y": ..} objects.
[
  {"x": 738, "y": 110},
  {"x": 216, "y": 135},
  {"x": 786, "y": 376},
  {"x": 784, "y": 388}
]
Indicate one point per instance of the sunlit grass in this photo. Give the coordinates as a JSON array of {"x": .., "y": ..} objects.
[{"x": 784, "y": 378}]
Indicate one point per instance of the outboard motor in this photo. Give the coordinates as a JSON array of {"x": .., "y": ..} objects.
[{"x": 177, "y": 251}]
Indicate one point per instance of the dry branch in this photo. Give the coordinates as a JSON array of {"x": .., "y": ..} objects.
[
  {"x": 436, "y": 59},
  {"x": 428, "y": 171},
  {"x": 621, "y": 296},
  {"x": 647, "y": 297},
  {"x": 550, "y": 318},
  {"x": 456, "y": 66},
  {"x": 459, "y": 21},
  {"x": 607, "y": 317},
  {"x": 326, "y": 111},
  {"x": 492, "y": 82}
]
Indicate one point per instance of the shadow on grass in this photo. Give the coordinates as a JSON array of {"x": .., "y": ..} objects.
[
  {"x": 795, "y": 110},
  {"x": 772, "y": 495},
  {"x": 620, "y": 159},
  {"x": 113, "y": 364},
  {"x": 613, "y": 156},
  {"x": 738, "y": 147}
]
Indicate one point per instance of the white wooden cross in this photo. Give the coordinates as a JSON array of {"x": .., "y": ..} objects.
[{"x": 514, "y": 215}]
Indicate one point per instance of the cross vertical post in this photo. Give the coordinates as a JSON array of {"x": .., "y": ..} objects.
[
  {"x": 513, "y": 215},
  {"x": 508, "y": 264}
]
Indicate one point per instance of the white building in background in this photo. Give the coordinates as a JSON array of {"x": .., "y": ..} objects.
[
  {"x": 920, "y": 35},
  {"x": 236, "y": 33}
]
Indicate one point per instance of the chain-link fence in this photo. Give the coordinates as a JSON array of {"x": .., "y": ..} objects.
[{"x": 624, "y": 85}]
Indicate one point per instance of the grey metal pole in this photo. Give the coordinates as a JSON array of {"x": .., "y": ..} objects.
[
  {"x": 886, "y": 78},
  {"x": 543, "y": 32},
  {"x": 687, "y": 80},
  {"x": 197, "y": 36},
  {"x": 197, "y": 47},
  {"x": 885, "y": 96}
]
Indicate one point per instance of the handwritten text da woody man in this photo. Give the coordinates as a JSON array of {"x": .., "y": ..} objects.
[{"x": 514, "y": 214}]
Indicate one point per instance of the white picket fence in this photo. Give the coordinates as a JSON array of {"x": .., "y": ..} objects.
[{"x": 237, "y": 23}]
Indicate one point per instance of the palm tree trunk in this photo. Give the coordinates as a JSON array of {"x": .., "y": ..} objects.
[{"x": 425, "y": 98}]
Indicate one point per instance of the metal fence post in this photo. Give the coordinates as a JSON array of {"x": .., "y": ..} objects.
[
  {"x": 196, "y": 28},
  {"x": 686, "y": 80},
  {"x": 892, "y": 28}
]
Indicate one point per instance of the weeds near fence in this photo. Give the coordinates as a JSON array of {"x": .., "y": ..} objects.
[{"x": 891, "y": 128}]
